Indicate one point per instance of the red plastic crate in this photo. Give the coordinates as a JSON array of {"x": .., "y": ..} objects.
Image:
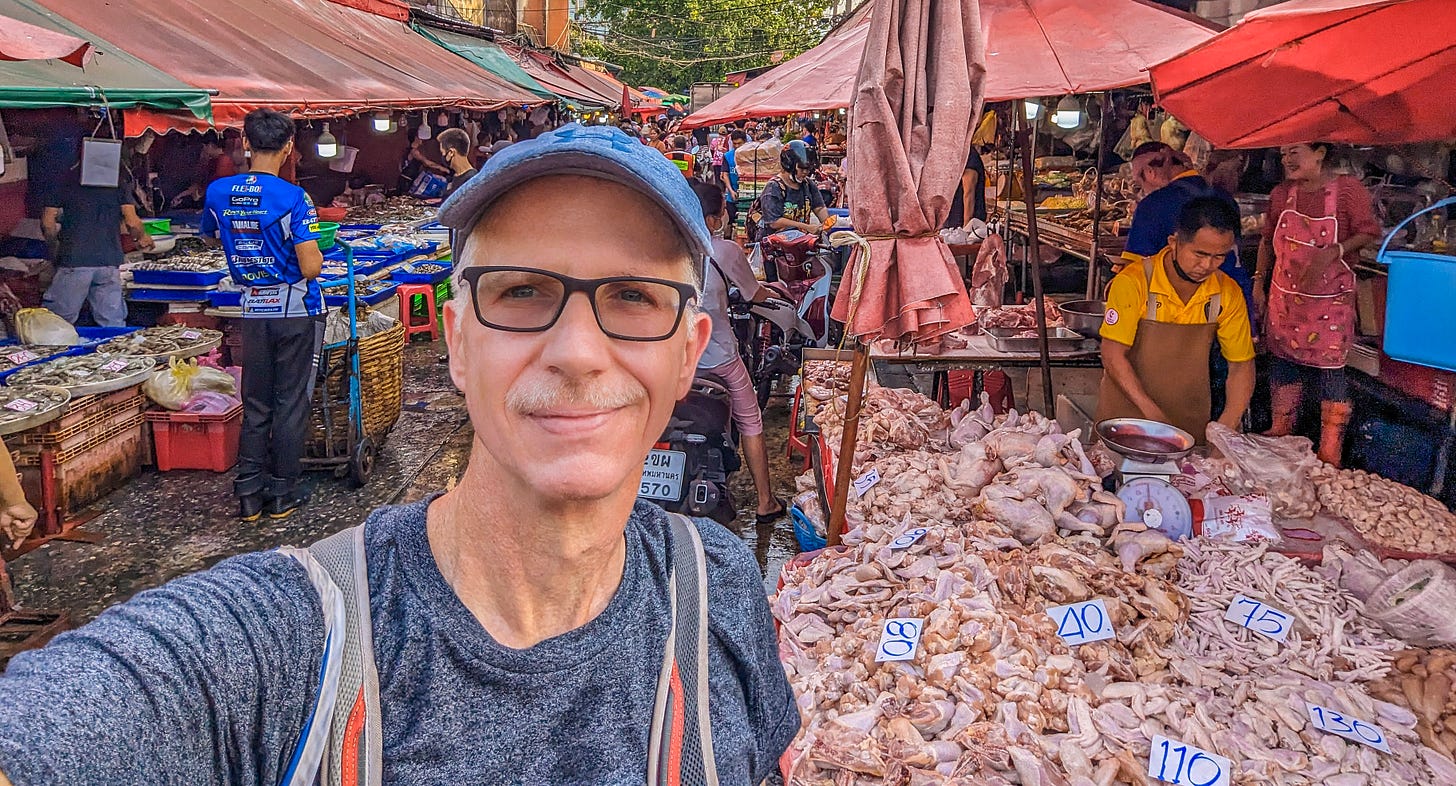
[{"x": 189, "y": 440}]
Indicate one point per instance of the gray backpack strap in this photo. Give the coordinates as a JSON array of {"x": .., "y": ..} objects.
[
  {"x": 342, "y": 742},
  {"x": 680, "y": 748}
]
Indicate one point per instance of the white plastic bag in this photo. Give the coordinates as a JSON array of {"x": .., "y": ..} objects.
[
  {"x": 40, "y": 326},
  {"x": 172, "y": 387},
  {"x": 1243, "y": 518}
]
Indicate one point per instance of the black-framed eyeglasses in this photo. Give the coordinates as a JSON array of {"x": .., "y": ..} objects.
[{"x": 530, "y": 300}]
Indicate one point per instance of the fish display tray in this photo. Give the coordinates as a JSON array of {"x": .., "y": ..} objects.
[
  {"x": 37, "y": 418},
  {"x": 368, "y": 300},
  {"x": 196, "y": 350},
  {"x": 118, "y": 383},
  {"x": 177, "y": 278},
  {"x": 1058, "y": 340}
]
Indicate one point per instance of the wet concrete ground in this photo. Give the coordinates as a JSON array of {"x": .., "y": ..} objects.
[{"x": 164, "y": 525}]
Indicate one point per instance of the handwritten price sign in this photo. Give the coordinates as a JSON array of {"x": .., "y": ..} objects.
[
  {"x": 908, "y": 539},
  {"x": 21, "y": 405},
  {"x": 23, "y": 356},
  {"x": 1178, "y": 762},
  {"x": 1326, "y": 719},
  {"x": 115, "y": 365},
  {"x": 866, "y": 482},
  {"x": 1080, "y": 623},
  {"x": 1259, "y": 617},
  {"x": 899, "y": 639}
]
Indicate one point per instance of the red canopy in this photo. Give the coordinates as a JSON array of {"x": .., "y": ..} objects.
[
  {"x": 544, "y": 69},
  {"x": 24, "y": 41},
  {"x": 1357, "y": 71},
  {"x": 310, "y": 58},
  {"x": 1033, "y": 48}
]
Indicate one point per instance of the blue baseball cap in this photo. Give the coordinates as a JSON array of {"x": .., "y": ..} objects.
[{"x": 594, "y": 151}]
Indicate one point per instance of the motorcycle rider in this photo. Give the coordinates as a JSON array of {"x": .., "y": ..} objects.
[
  {"x": 792, "y": 200},
  {"x": 727, "y": 266}
]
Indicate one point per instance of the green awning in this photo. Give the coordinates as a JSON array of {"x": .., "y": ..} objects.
[
  {"x": 494, "y": 59},
  {"x": 113, "y": 78}
]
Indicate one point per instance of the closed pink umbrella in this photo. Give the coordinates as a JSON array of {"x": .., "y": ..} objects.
[{"x": 917, "y": 97}]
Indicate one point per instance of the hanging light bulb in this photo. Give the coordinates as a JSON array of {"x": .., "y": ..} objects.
[
  {"x": 328, "y": 146},
  {"x": 443, "y": 120},
  {"x": 1068, "y": 113},
  {"x": 1033, "y": 109},
  {"x": 425, "y": 131},
  {"x": 382, "y": 122}
]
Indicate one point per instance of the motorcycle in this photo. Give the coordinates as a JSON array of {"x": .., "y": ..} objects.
[
  {"x": 687, "y": 470},
  {"x": 800, "y": 269}
]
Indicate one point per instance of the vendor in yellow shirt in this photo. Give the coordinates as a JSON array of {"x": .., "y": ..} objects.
[{"x": 1162, "y": 316}]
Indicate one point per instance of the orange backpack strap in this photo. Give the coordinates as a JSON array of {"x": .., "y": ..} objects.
[{"x": 680, "y": 748}]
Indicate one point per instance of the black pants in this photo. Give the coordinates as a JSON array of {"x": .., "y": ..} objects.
[
  {"x": 279, "y": 365},
  {"x": 1331, "y": 384}
]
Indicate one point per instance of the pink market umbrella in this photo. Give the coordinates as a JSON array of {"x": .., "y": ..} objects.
[
  {"x": 24, "y": 41},
  {"x": 916, "y": 101}
]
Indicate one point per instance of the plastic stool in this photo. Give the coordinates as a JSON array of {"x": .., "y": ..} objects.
[{"x": 429, "y": 325}]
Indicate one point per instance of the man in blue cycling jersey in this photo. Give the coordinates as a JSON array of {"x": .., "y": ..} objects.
[{"x": 269, "y": 228}]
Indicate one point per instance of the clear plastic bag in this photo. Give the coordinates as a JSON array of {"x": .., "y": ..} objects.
[
  {"x": 1277, "y": 466},
  {"x": 40, "y": 326}
]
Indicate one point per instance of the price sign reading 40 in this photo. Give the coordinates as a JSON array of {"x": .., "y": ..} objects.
[
  {"x": 899, "y": 639},
  {"x": 1326, "y": 719},
  {"x": 1259, "y": 617},
  {"x": 1181, "y": 763},
  {"x": 1080, "y": 623}
]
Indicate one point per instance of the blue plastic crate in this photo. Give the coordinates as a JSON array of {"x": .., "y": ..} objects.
[
  {"x": 168, "y": 295},
  {"x": 809, "y": 540},
  {"x": 177, "y": 278},
  {"x": 1419, "y": 285},
  {"x": 368, "y": 300},
  {"x": 407, "y": 276},
  {"x": 220, "y": 298}
]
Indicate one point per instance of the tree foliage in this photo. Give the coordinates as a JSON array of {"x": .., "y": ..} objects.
[{"x": 673, "y": 43}]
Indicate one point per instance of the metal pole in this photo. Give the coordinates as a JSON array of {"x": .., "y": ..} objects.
[
  {"x": 1029, "y": 186},
  {"x": 845, "y": 468},
  {"x": 1094, "y": 271}
]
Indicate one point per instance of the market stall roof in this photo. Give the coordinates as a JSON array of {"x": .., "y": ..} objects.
[
  {"x": 24, "y": 41},
  {"x": 310, "y": 58},
  {"x": 608, "y": 85},
  {"x": 490, "y": 56},
  {"x": 110, "y": 77},
  {"x": 554, "y": 77},
  {"x": 1033, "y": 48},
  {"x": 1356, "y": 71}
]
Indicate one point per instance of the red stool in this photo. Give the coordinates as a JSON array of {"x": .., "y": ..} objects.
[{"x": 426, "y": 323}]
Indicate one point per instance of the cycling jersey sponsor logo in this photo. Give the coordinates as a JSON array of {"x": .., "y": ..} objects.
[{"x": 245, "y": 201}]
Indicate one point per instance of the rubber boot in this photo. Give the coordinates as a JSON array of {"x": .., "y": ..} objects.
[
  {"x": 1284, "y": 404},
  {"x": 1334, "y": 417}
]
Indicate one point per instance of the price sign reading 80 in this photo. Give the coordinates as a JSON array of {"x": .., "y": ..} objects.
[
  {"x": 1326, "y": 719},
  {"x": 1178, "y": 762},
  {"x": 899, "y": 639},
  {"x": 1259, "y": 617},
  {"x": 1083, "y": 622}
]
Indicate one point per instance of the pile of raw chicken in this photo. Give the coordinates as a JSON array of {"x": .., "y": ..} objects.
[{"x": 1017, "y": 522}]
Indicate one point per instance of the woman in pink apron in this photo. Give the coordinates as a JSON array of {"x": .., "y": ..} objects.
[{"x": 1317, "y": 223}]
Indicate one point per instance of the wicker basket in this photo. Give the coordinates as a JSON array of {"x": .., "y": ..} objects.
[
  {"x": 1416, "y": 604},
  {"x": 381, "y": 391}
]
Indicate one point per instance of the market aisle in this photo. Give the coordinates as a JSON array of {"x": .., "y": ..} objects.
[{"x": 164, "y": 525}]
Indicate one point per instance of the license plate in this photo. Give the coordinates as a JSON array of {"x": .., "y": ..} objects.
[{"x": 662, "y": 475}]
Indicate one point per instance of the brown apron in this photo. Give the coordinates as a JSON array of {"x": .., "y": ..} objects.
[{"x": 1171, "y": 361}]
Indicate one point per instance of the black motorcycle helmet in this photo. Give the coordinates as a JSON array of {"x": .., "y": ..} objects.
[{"x": 799, "y": 159}]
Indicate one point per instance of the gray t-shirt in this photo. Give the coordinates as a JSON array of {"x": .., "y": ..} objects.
[{"x": 207, "y": 679}]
